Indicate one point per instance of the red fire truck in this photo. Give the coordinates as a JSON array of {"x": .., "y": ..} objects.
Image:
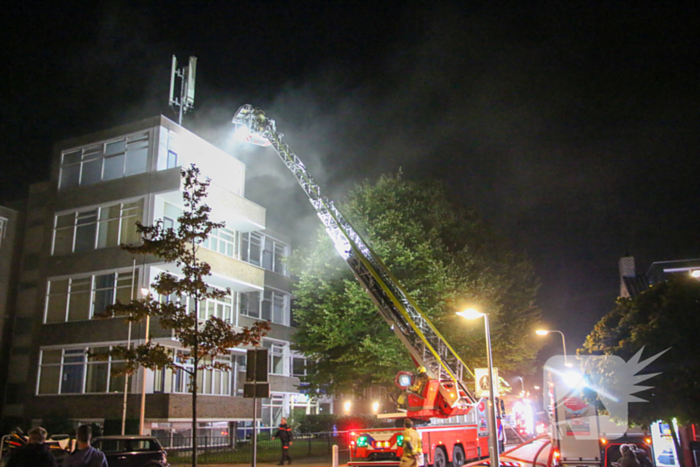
[{"x": 458, "y": 442}]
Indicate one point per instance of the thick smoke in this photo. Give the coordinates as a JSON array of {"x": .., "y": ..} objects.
[{"x": 571, "y": 132}]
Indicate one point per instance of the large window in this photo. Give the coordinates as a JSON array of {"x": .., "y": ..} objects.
[
  {"x": 102, "y": 227},
  {"x": 171, "y": 213},
  {"x": 276, "y": 356},
  {"x": 212, "y": 382},
  {"x": 298, "y": 366},
  {"x": 222, "y": 240},
  {"x": 84, "y": 297},
  {"x": 83, "y": 370},
  {"x": 274, "y": 306},
  {"x": 104, "y": 161},
  {"x": 220, "y": 307},
  {"x": 271, "y": 305},
  {"x": 264, "y": 251},
  {"x": 272, "y": 411}
]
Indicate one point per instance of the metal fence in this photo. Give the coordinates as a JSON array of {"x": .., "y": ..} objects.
[{"x": 212, "y": 450}]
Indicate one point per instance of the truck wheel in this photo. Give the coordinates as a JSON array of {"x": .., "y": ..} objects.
[
  {"x": 458, "y": 458},
  {"x": 440, "y": 458}
]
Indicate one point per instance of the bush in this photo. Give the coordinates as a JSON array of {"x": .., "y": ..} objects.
[{"x": 317, "y": 423}]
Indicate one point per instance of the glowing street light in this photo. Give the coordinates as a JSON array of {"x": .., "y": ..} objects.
[
  {"x": 471, "y": 313},
  {"x": 522, "y": 384},
  {"x": 347, "y": 406},
  {"x": 544, "y": 332}
]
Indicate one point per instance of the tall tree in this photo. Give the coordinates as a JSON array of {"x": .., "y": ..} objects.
[
  {"x": 445, "y": 257},
  {"x": 177, "y": 303},
  {"x": 666, "y": 316}
]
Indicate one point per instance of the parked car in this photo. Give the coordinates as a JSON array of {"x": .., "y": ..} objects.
[{"x": 132, "y": 451}]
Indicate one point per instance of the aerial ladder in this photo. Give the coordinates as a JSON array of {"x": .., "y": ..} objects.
[{"x": 446, "y": 393}]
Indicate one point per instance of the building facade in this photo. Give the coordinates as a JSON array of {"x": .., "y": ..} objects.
[
  {"x": 72, "y": 267},
  {"x": 633, "y": 283},
  {"x": 11, "y": 227}
]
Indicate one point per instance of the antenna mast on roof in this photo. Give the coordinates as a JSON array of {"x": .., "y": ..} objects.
[{"x": 187, "y": 75}]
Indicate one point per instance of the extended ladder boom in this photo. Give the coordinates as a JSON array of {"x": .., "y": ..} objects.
[{"x": 426, "y": 345}]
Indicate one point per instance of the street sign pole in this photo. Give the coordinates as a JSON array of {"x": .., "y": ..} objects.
[
  {"x": 256, "y": 386},
  {"x": 255, "y": 432}
]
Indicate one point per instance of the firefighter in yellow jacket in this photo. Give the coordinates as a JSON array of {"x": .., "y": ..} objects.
[{"x": 412, "y": 445}]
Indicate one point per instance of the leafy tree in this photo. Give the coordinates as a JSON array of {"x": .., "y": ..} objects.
[
  {"x": 204, "y": 339},
  {"x": 666, "y": 316},
  {"x": 445, "y": 257}
]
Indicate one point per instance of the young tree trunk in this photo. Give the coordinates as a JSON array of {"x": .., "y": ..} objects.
[
  {"x": 195, "y": 361},
  {"x": 194, "y": 421}
]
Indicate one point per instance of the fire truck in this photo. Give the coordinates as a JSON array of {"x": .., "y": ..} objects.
[{"x": 443, "y": 392}]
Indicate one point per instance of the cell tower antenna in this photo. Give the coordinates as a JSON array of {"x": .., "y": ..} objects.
[{"x": 184, "y": 99}]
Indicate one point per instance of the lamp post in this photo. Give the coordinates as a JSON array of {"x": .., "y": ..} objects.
[
  {"x": 522, "y": 384},
  {"x": 544, "y": 332},
  {"x": 142, "y": 413},
  {"x": 471, "y": 313},
  {"x": 128, "y": 346}
]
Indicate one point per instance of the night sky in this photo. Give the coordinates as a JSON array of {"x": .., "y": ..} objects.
[{"x": 571, "y": 126}]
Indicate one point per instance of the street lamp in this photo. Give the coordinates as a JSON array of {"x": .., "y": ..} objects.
[
  {"x": 142, "y": 413},
  {"x": 544, "y": 332},
  {"x": 522, "y": 384},
  {"x": 471, "y": 313}
]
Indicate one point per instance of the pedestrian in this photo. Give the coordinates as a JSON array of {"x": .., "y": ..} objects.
[
  {"x": 502, "y": 438},
  {"x": 628, "y": 459},
  {"x": 35, "y": 454},
  {"x": 641, "y": 455},
  {"x": 284, "y": 433},
  {"x": 412, "y": 445},
  {"x": 85, "y": 455}
]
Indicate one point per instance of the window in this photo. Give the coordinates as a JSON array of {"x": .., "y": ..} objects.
[
  {"x": 279, "y": 265},
  {"x": 111, "y": 446},
  {"x": 250, "y": 247},
  {"x": 250, "y": 304},
  {"x": 223, "y": 241},
  {"x": 104, "y": 161},
  {"x": 239, "y": 371},
  {"x": 78, "y": 371},
  {"x": 221, "y": 308},
  {"x": 262, "y": 250},
  {"x": 172, "y": 150},
  {"x": 276, "y": 355},
  {"x": 272, "y": 411},
  {"x": 216, "y": 382},
  {"x": 3, "y": 228},
  {"x": 298, "y": 366},
  {"x": 81, "y": 298},
  {"x": 171, "y": 213},
  {"x": 212, "y": 382},
  {"x": 103, "y": 227},
  {"x": 274, "y": 306}
]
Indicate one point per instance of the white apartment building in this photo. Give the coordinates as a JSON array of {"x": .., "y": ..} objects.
[{"x": 72, "y": 267}]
